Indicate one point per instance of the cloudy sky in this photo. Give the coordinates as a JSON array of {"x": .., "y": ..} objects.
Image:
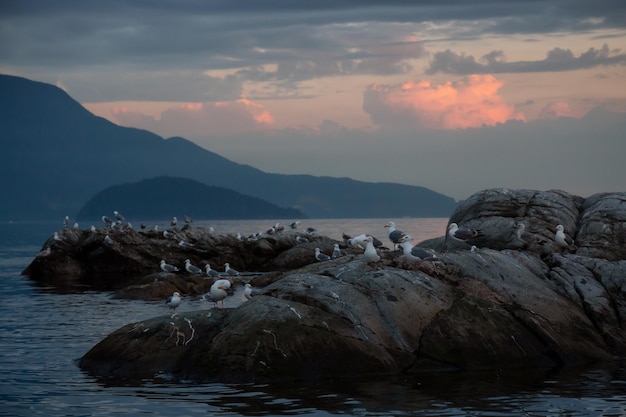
[{"x": 453, "y": 95}]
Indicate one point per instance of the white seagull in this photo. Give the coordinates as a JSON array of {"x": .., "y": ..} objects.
[
  {"x": 247, "y": 292},
  {"x": 415, "y": 253},
  {"x": 165, "y": 267},
  {"x": 217, "y": 292},
  {"x": 118, "y": 216},
  {"x": 337, "y": 252},
  {"x": 191, "y": 268},
  {"x": 173, "y": 301},
  {"x": 462, "y": 233},
  {"x": 321, "y": 256},
  {"x": 230, "y": 271},
  {"x": 210, "y": 272},
  {"x": 394, "y": 234},
  {"x": 174, "y": 221},
  {"x": 370, "y": 253},
  {"x": 562, "y": 238},
  {"x": 185, "y": 244}
]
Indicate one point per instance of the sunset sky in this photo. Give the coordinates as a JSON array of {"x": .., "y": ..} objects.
[{"x": 452, "y": 95}]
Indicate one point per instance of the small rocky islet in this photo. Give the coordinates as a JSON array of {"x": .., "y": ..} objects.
[{"x": 511, "y": 297}]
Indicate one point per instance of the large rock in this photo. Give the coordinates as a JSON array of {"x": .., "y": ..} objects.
[
  {"x": 505, "y": 304},
  {"x": 131, "y": 263}
]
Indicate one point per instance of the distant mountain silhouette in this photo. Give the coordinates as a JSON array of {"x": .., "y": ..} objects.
[
  {"x": 57, "y": 155},
  {"x": 165, "y": 197}
]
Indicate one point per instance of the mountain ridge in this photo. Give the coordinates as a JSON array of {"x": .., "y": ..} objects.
[
  {"x": 59, "y": 155},
  {"x": 178, "y": 197}
]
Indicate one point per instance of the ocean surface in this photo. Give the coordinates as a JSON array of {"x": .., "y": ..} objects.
[{"x": 43, "y": 330}]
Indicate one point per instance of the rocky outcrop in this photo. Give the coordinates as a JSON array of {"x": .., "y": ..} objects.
[
  {"x": 129, "y": 262},
  {"x": 508, "y": 303}
]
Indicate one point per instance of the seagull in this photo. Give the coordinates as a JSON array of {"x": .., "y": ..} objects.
[
  {"x": 76, "y": 226},
  {"x": 294, "y": 225},
  {"x": 191, "y": 268},
  {"x": 337, "y": 252},
  {"x": 174, "y": 221},
  {"x": 93, "y": 229},
  {"x": 217, "y": 292},
  {"x": 415, "y": 253},
  {"x": 165, "y": 267},
  {"x": 360, "y": 240},
  {"x": 173, "y": 301},
  {"x": 247, "y": 292},
  {"x": 185, "y": 244},
  {"x": 230, "y": 271},
  {"x": 462, "y": 234},
  {"x": 301, "y": 239},
  {"x": 562, "y": 238},
  {"x": 187, "y": 219},
  {"x": 370, "y": 253},
  {"x": 119, "y": 216},
  {"x": 66, "y": 222},
  {"x": 108, "y": 240},
  {"x": 168, "y": 235},
  {"x": 394, "y": 235},
  {"x": 321, "y": 256},
  {"x": 311, "y": 230},
  {"x": 210, "y": 272},
  {"x": 57, "y": 237},
  {"x": 527, "y": 237},
  {"x": 107, "y": 220}
]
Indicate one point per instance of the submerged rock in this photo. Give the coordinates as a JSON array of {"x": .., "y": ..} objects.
[{"x": 507, "y": 303}]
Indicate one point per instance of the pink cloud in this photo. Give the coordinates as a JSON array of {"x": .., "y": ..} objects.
[
  {"x": 470, "y": 102},
  {"x": 201, "y": 119},
  {"x": 557, "y": 109}
]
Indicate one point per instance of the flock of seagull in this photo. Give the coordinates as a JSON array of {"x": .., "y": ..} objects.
[{"x": 369, "y": 244}]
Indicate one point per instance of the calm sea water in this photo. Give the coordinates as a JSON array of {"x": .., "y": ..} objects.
[{"x": 43, "y": 331}]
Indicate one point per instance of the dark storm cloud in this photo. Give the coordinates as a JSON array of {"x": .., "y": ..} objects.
[
  {"x": 304, "y": 40},
  {"x": 494, "y": 62}
]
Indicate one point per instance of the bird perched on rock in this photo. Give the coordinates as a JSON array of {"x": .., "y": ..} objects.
[
  {"x": 108, "y": 240},
  {"x": 217, "y": 292},
  {"x": 394, "y": 234},
  {"x": 169, "y": 235},
  {"x": 191, "y": 268},
  {"x": 462, "y": 233},
  {"x": 294, "y": 225},
  {"x": 173, "y": 301},
  {"x": 301, "y": 239},
  {"x": 230, "y": 271},
  {"x": 415, "y": 253},
  {"x": 210, "y": 272},
  {"x": 66, "y": 222},
  {"x": 119, "y": 216},
  {"x": 165, "y": 267},
  {"x": 563, "y": 239},
  {"x": 321, "y": 256},
  {"x": 184, "y": 244},
  {"x": 187, "y": 219},
  {"x": 370, "y": 254},
  {"x": 107, "y": 220},
  {"x": 337, "y": 252},
  {"x": 526, "y": 237},
  {"x": 359, "y": 241},
  {"x": 174, "y": 222},
  {"x": 247, "y": 292}
]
